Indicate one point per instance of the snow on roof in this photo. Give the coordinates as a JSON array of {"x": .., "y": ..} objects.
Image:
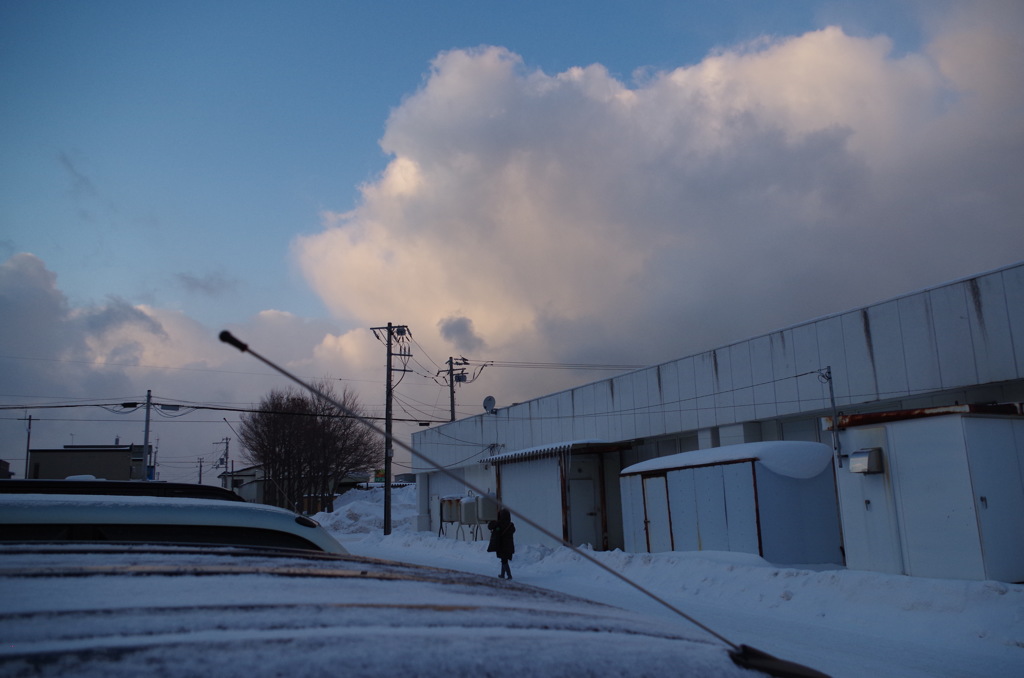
[{"x": 792, "y": 458}]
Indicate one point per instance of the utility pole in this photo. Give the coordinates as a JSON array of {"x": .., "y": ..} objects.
[
  {"x": 148, "y": 458},
  {"x": 200, "y": 470},
  {"x": 223, "y": 461},
  {"x": 28, "y": 445},
  {"x": 454, "y": 377},
  {"x": 451, "y": 385},
  {"x": 156, "y": 464},
  {"x": 401, "y": 332},
  {"x": 146, "y": 461}
]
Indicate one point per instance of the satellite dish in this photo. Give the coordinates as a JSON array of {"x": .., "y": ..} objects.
[{"x": 489, "y": 404}]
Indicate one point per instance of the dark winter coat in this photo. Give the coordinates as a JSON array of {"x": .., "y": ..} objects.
[{"x": 502, "y": 543}]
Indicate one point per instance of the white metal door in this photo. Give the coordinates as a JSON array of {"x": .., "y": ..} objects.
[
  {"x": 634, "y": 533},
  {"x": 996, "y": 450},
  {"x": 871, "y": 534},
  {"x": 535, "y": 488},
  {"x": 583, "y": 514},
  {"x": 656, "y": 515},
  {"x": 584, "y": 502},
  {"x": 740, "y": 508},
  {"x": 682, "y": 498},
  {"x": 712, "y": 518},
  {"x": 932, "y": 485}
]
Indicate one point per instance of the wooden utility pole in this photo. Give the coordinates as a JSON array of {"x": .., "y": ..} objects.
[
  {"x": 451, "y": 384},
  {"x": 394, "y": 333},
  {"x": 453, "y": 377},
  {"x": 28, "y": 445},
  {"x": 389, "y": 449},
  {"x": 146, "y": 461}
]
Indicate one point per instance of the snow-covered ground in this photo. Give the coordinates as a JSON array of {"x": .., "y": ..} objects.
[{"x": 846, "y": 623}]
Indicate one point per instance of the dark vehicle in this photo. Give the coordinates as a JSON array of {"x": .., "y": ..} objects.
[{"x": 137, "y": 488}]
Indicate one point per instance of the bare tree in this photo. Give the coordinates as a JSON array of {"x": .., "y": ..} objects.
[{"x": 305, "y": 446}]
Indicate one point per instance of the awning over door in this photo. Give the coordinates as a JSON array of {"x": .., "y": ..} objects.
[{"x": 554, "y": 449}]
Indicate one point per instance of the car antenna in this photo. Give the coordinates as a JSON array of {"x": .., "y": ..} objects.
[{"x": 742, "y": 655}]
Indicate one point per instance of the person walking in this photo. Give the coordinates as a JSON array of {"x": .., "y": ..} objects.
[{"x": 502, "y": 543}]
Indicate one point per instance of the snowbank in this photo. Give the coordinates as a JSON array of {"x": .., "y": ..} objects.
[{"x": 844, "y": 622}]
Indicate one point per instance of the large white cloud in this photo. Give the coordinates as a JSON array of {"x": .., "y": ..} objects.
[{"x": 576, "y": 217}]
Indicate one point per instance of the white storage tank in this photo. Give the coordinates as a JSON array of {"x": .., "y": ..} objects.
[
  {"x": 486, "y": 509},
  {"x": 451, "y": 509},
  {"x": 467, "y": 511}
]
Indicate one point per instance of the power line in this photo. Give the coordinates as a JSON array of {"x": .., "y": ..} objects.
[
  {"x": 553, "y": 366},
  {"x": 424, "y": 352},
  {"x": 193, "y": 408},
  {"x": 679, "y": 405}
]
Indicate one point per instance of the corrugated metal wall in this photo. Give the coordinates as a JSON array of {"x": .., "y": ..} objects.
[
  {"x": 534, "y": 487},
  {"x": 951, "y": 337}
]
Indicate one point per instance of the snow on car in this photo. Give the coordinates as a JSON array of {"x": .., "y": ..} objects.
[
  {"x": 176, "y": 519},
  {"x": 93, "y": 601}
]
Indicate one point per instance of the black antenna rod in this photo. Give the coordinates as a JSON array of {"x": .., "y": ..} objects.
[{"x": 742, "y": 655}]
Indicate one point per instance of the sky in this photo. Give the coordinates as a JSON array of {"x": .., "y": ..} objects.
[
  {"x": 597, "y": 183},
  {"x": 846, "y": 623}
]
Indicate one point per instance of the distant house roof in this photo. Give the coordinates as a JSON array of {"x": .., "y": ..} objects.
[{"x": 242, "y": 471}]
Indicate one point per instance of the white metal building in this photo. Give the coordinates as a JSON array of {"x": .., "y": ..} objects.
[
  {"x": 935, "y": 496},
  {"x": 773, "y": 499},
  {"x": 558, "y": 457}
]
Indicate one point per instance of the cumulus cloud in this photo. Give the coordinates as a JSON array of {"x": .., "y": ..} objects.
[
  {"x": 28, "y": 292},
  {"x": 54, "y": 352},
  {"x": 459, "y": 332},
  {"x": 46, "y": 351},
  {"x": 209, "y": 284},
  {"x": 49, "y": 331},
  {"x": 576, "y": 217}
]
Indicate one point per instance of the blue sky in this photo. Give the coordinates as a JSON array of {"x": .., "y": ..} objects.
[
  {"x": 167, "y": 152},
  {"x": 532, "y": 181}
]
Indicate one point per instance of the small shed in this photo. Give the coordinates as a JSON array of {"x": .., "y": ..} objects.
[
  {"x": 935, "y": 496},
  {"x": 773, "y": 499}
]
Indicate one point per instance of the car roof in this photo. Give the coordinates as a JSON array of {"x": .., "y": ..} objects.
[
  {"x": 90, "y": 609},
  {"x": 149, "y": 488},
  {"x": 182, "y": 520}
]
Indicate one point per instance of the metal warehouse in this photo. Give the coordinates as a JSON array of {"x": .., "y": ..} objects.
[{"x": 559, "y": 457}]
